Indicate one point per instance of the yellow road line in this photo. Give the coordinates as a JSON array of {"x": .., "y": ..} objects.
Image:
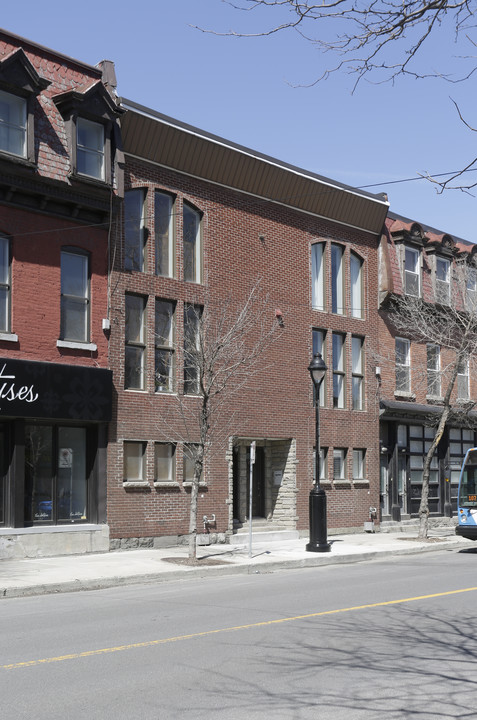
[{"x": 192, "y": 636}]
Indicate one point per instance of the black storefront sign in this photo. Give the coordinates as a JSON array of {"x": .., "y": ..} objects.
[{"x": 54, "y": 391}]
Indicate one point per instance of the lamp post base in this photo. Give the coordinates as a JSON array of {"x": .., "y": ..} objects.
[{"x": 318, "y": 531}]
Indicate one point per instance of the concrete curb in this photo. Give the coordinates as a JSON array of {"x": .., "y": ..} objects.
[{"x": 241, "y": 566}]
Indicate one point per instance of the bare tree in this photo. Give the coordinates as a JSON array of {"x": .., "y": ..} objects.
[
  {"x": 223, "y": 342},
  {"x": 379, "y": 40},
  {"x": 383, "y": 37},
  {"x": 451, "y": 325}
]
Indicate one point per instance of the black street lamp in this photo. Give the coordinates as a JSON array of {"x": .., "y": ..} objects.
[{"x": 318, "y": 540}]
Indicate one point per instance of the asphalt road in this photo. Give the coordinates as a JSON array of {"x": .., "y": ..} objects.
[{"x": 387, "y": 639}]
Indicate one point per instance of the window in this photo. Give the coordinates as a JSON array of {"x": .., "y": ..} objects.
[
  {"x": 189, "y": 457},
  {"x": 90, "y": 148},
  {"x": 357, "y": 373},
  {"x": 442, "y": 281},
  {"x": 164, "y": 462},
  {"x": 337, "y": 283},
  {"x": 192, "y": 315},
  {"x": 74, "y": 296},
  {"x": 317, "y": 276},
  {"x": 164, "y": 346},
  {"x": 433, "y": 370},
  {"x": 339, "y": 464},
  {"x": 411, "y": 272},
  {"x": 5, "y": 286},
  {"x": 323, "y": 464},
  {"x": 134, "y": 230},
  {"x": 403, "y": 365},
  {"x": 356, "y": 285},
  {"x": 359, "y": 466},
  {"x": 319, "y": 347},
  {"x": 135, "y": 342},
  {"x": 13, "y": 124},
  {"x": 191, "y": 244},
  {"x": 471, "y": 295},
  {"x": 56, "y": 481},
  {"x": 338, "y": 371},
  {"x": 463, "y": 380},
  {"x": 164, "y": 236},
  {"x": 134, "y": 462}
]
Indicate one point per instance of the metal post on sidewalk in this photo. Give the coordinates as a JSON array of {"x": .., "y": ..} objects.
[{"x": 252, "y": 463}]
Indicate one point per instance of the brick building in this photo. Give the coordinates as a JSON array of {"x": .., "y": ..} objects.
[
  {"x": 60, "y": 183},
  {"x": 424, "y": 263},
  {"x": 205, "y": 218}
]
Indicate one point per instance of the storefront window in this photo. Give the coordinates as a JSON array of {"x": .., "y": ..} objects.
[{"x": 55, "y": 474}]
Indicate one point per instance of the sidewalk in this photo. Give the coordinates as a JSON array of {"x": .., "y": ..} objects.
[{"x": 39, "y": 576}]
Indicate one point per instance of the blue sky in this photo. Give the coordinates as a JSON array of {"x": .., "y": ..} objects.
[{"x": 247, "y": 91}]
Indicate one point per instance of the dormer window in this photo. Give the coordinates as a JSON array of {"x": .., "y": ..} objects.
[
  {"x": 442, "y": 281},
  {"x": 19, "y": 86},
  {"x": 412, "y": 285},
  {"x": 13, "y": 124},
  {"x": 90, "y": 148},
  {"x": 90, "y": 113}
]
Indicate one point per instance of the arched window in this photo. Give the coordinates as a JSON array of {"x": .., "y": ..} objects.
[
  {"x": 317, "y": 276},
  {"x": 191, "y": 239},
  {"x": 356, "y": 285}
]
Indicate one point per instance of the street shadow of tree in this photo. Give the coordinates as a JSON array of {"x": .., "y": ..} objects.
[{"x": 400, "y": 663}]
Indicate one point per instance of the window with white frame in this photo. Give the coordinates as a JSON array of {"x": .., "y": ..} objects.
[
  {"x": 13, "y": 124},
  {"x": 164, "y": 233},
  {"x": 192, "y": 316},
  {"x": 318, "y": 276},
  {"x": 442, "y": 281},
  {"x": 191, "y": 243},
  {"x": 164, "y": 346},
  {"x": 164, "y": 462},
  {"x": 134, "y": 229},
  {"x": 433, "y": 370},
  {"x": 90, "y": 148},
  {"x": 357, "y": 367},
  {"x": 339, "y": 375},
  {"x": 356, "y": 285},
  {"x": 74, "y": 322},
  {"x": 337, "y": 280},
  {"x": 359, "y": 464},
  {"x": 134, "y": 462},
  {"x": 339, "y": 464},
  {"x": 323, "y": 464},
  {"x": 463, "y": 379},
  {"x": 471, "y": 289},
  {"x": 319, "y": 346},
  {"x": 403, "y": 365},
  {"x": 5, "y": 284},
  {"x": 412, "y": 281},
  {"x": 135, "y": 341}
]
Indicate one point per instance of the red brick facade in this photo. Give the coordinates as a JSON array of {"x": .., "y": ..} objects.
[{"x": 245, "y": 239}]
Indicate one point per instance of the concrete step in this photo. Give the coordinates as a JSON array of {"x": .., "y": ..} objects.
[{"x": 261, "y": 536}]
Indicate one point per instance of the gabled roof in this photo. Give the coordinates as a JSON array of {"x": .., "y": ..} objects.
[{"x": 170, "y": 143}]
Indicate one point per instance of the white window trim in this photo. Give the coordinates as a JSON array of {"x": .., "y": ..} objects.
[{"x": 412, "y": 273}]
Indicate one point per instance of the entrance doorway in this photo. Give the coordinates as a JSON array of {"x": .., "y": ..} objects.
[{"x": 258, "y": 484}]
